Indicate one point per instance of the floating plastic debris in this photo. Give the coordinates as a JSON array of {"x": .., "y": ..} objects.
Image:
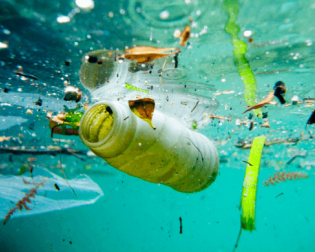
[
  {"x": 164, "y": 14},
  {"x": 4, "y": 45},
  {"x": 85, "y": 4},
  {"x": 168, "y": 152},
  {"x": 107, "y": 81},
  {"x": 47, "y": 198},
  {"x": 247, "y": 33},
  {"x": 72, "y": 94},
  {"x": 63, "y": 19}
]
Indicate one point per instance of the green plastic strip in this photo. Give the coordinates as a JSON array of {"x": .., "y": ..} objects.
[
  {"x": 248, "y": 200},
  {"x": 240, "y": 61},
  {"x": 135, "y": 88}
]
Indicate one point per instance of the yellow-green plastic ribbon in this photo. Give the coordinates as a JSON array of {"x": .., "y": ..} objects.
[
  {"x": 242, "y": 65},
  {"x": 248, "y": 200},
  {"x": 129, "y": 86}
]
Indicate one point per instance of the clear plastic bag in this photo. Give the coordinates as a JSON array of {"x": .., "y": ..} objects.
[{"x": 54, "y": 194}]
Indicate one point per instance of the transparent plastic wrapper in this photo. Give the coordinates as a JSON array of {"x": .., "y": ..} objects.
[
  {"x": 55, "y": 194},
  {"x": 173, "y": 91}
]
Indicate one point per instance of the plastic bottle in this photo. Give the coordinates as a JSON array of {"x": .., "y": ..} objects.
[{"x": 171, "y": 155}]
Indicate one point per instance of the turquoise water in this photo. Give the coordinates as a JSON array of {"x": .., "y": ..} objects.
[{"x": 134, "y": 215}]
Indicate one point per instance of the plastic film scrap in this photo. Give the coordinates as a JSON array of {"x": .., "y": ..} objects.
[{"x": 48, "y": 197}]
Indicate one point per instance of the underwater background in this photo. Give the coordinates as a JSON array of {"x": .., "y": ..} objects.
[{"x": 242, "y": 46}]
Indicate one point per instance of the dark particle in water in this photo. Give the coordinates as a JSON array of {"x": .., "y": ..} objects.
[
  {"x": 39, "y": 102},
  {"x": 92, "y": 59},
  {"x": 67, "y": 62},
  {"x": 180, "y": 225},
  {"x": 279, "y": 195},
  {"x": 250, "y": 116},
  {"x": 279, "y": 84},
  {"x": 311, "y": 120},
  {"x": 70, "y": 242},
  {"x": 280, "y": 90},
  {"x": 250, "y": 40},
  {"x": 30, "y": 76},
  {"x": 6, "y": 90},
  {"x": 264, "y": 115},
  {"x": 31, "y": 126},
  {"x": 251, "y": 126},
  {"x": 176, "y": 60},
  {"x": 247, "y": 162},
  {"x": 240, "y": 143},
  {"x": 57, "y": 187},
  {"x": 99, "y": 62},
  {"x": 224, "y": 160},
  {"x": 195, "y": 106}
]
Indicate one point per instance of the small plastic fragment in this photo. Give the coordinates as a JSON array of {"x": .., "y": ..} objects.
[
  {"x": 295, "y": 99},
  {"x": 129, "y": 86},
  {"x": 72, "y": 94},
  {"x": 29, "y": 111}
]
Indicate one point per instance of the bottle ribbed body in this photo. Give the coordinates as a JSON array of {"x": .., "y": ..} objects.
[{"x": 171, "y": 155}]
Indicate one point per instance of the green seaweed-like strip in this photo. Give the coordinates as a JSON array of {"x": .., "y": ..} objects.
[
  {"x": 240, "y": 61},
  {"x": 129, "y": 86},
  {"x": 248, "y": 200}
]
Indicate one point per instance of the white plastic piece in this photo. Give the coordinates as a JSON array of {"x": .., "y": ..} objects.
[
  {"x": 172, "y": 154},
  {"x": 295, "y": 99}
]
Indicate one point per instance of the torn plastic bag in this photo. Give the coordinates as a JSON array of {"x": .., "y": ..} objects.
[{"x": 48, "y": 197}]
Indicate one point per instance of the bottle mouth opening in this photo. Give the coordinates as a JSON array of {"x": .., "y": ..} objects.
[{"x": 97, "y": 124}]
